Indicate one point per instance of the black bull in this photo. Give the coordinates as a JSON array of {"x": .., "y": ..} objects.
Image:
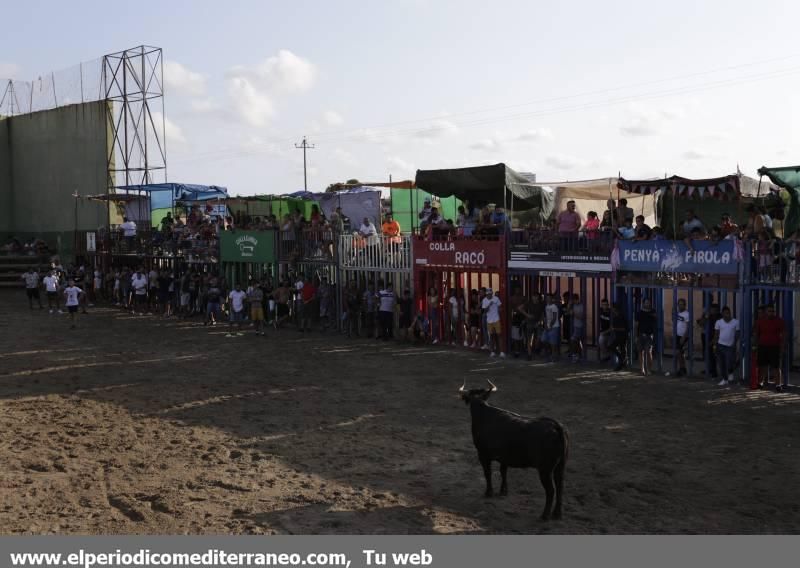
[{"x": 517, "y": 441}]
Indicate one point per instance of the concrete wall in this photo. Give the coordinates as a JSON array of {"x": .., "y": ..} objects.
[
  {"x": 5, "y": 177},
  {"x": 52, "y": 154}
]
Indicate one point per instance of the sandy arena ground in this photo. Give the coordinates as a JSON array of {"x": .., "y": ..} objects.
[{"x": 138, "y": 425}]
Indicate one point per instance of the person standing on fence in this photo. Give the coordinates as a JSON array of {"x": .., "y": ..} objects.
[
  {"x": 324, "y": 297},
  {"x": 606, "y": 331},
  {"x": 352, "y": 301},
  {"x": 645, "y": 332},
  {"x": 770, "y": 337},
  {"x": 577, "y": 313},
  {"x": 568, "y": 223},
  {"x": 433, "y": 313},
  {"x": 491, "y": 306},
  {"x": 386, "y": 306},
  {"x": 707, "y": 323},
  {"x": 406, "y": 305},
  {"x": 368, "y": 304},
  {"x": 517, "y": 303},
  {"x": 474, "y": 319},
  {"x": 682, "y": 348},
  {"x": 129, "y": 233},
  {"x": 31, "y": 278},
  {"x": 307, "y": 296},
  {"x": 726, "y": 343},
  {"x": 552, "y": 326}
]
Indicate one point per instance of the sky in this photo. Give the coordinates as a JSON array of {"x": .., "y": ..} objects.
[{"x": 568, "y": 90}]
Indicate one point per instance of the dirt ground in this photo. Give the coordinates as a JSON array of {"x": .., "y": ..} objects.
[{"x": 139, "y": 425}]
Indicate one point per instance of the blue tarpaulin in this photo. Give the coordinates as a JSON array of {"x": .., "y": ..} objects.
[{"x": 163, "y": 195}]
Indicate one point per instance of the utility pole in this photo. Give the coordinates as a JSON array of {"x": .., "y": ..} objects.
[{"x": 304, "y": 145}]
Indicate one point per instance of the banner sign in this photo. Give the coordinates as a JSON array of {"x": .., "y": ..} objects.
[
  {"x": 460, "y": 254},
  {"x": 91, "y": 242},
  {"x": 248, "y": 246},
  {"x": 674, "y": 256}
]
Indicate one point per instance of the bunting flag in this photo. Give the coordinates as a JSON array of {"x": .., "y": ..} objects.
[{"x": 724, "y": 188}]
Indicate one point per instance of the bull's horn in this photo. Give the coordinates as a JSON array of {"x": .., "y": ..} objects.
[
  {"x": 462, "y": 386},
  {"x": 491, "y": 384}
]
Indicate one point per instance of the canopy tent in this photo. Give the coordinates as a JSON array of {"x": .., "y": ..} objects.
[
  {"x": 264, "y": 205},
  {"x": 408, "y": 202},
  {"x": 708, "y": 198},
  {"x": 480, "y": 185},
  {"x": 593, "y": 195},
  {"x": 727, "y": 187},
  {"x": 134, "y": 207},
  {"x": 787, "y": 178},
  {"x": 163, "y": 196},
  {"x": 356, "y": 203}
]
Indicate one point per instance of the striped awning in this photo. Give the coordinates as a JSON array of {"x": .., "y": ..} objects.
[{"x": 725, "y": 188}]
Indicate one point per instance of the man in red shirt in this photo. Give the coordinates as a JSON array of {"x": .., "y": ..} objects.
[{"x": 770, "y": 337}]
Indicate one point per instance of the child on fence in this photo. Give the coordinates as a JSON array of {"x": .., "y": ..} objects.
[{"x": 764, "y": 247}]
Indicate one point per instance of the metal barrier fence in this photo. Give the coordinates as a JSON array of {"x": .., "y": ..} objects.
[
  {"x": 307, "y": 245},
  {"x": 377, "y": 253}
]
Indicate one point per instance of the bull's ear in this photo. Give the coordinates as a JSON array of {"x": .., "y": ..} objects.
[{"x": 491, "y": 384}]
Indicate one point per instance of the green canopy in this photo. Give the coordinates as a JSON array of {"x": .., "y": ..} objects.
[{"x": 787, "y": 177}]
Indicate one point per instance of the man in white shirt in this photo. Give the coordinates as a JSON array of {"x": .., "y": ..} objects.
[
  {"x": 128, "y": 229},
  {"x": 682, "y": 321},
  {"x": 51, "y": 287},
  {"x": 491, "y": 305},
  {"x": 237, "y": 298},
  {"x": 73, "y": 296},
  {"x": 726, "y": 339},
  {"x": 139, "y": 285},
  {"x": 31, "y": 278},
  {"x": 369, "y": 232}
]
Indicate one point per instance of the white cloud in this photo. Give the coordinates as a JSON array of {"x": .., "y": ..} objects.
[
  {"x": 695, "y": 155},
  {"x": 282, "y": 73},
  {"x": 487, "y": 144},
  {"x": 564, "y": 162},
  {"x": 400, "y": 166},
  {"x": 345, "y": 157},
  {"x": 183, "y": 80},
  {"x": 8, "y": 70},
  {"x": 332, "y": 118},
  {"x": 172, "y": 131},
  {"x": 535, "y": 134},
  {"x": 649, "y": 122},
  {"x": 253, "y": 89},
  {"x": 252, "y": 106},
  {"x": 438, "y": 128},
  {"x": 207, "y": 105}
]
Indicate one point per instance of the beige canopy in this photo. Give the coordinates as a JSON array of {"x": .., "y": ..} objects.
[{"x": 593, "y": 195}]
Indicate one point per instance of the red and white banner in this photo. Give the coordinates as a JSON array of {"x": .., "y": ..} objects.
[{"x": 461, "y": 254}]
